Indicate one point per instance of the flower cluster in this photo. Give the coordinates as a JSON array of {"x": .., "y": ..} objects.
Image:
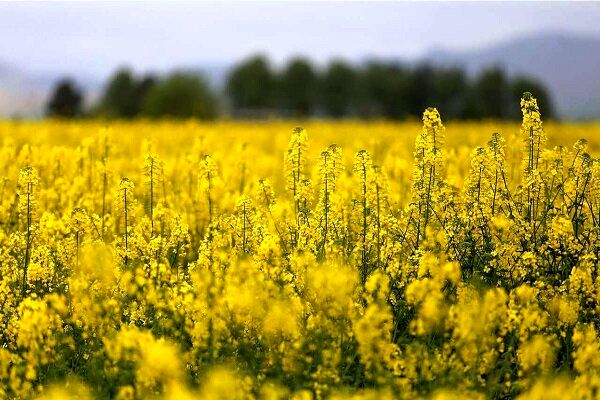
[{"x": 235, "y": 264}]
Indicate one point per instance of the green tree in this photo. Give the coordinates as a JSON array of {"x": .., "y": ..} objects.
[
  {"x": 124, "y": 94},
  {"x": 297, "y": 87},
  {"x": 338, "y": 88},
  {"x": 421, "y": 91},
  {"x": 180, "y": 95},
  {"x": 66, "y": 100},
  {"x": 250, "y": 85},
  {"x": 119, "y": 99},
  {"x": 490, "y": 94},
  {"x": 451, "y": 88},
  {"x": 143, "y": 87},
  {"x": 384, "y": 89}
]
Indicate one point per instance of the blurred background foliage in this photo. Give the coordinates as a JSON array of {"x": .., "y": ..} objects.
[{"x": 255, "y": 89}]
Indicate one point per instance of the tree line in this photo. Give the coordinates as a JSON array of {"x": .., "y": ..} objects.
[{"x": 255, "y": 89}]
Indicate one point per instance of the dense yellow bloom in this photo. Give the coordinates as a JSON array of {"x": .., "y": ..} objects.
[{"x": 411, "y": 260}]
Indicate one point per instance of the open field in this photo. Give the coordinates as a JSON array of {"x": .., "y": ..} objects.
[
  {"x": 359, "y": 260},
  {"x": 389, "y": 144}
]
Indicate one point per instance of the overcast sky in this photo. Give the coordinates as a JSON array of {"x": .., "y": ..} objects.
[{"x": 96, "y": 37}]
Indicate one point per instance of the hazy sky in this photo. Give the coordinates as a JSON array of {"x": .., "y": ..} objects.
[{"x": 96, "y": 37}]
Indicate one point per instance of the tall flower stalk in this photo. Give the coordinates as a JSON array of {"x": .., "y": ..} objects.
[
  {"x": 295, "y": 159},
  {"x": 126, "y": 203},
  {"x": 153, "y": 170},
  {"x": 208, "y": 174},
  {"x": 27, "y": 188},
  {"x": 362, "y": 170},
  {"x": 427, "y": 175},
  {"x": 534, "y": 139}
]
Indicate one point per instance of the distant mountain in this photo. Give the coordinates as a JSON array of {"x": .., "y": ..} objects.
[
  {"x": 20, "y": 94},
  {"x": 569, "y": 65},
  {"x": 25, "y": 93}
]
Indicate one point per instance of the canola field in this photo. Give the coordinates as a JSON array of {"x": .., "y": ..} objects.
[{"x": 341, "y": 260}]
